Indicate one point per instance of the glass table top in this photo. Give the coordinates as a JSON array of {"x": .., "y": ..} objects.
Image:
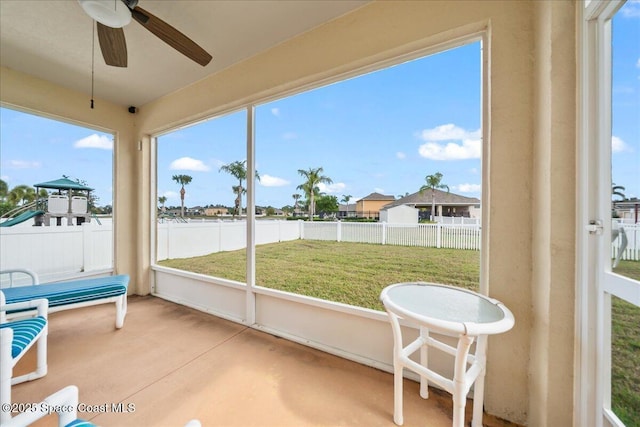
[{"x": 444, "y": 303}]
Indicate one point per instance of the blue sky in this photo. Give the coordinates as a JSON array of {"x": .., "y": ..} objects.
[{"x": 381, "y": 132}]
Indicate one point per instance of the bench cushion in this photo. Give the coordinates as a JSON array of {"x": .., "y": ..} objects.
[
  {"x": 24, "y": 331},
  {"x": 72, "y": 292}
]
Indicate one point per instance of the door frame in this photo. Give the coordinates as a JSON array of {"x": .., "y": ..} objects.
[{"x": 595, "y": 280}]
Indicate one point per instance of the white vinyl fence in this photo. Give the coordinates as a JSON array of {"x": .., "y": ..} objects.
[
  {"x": 632, "y": 250},
  {"x": 59, "y": 252},
  {"x": 424, "y": 235}
]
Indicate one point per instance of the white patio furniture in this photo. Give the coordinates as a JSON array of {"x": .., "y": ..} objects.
[
  {"x": 64, "y": 403},
  {"x": 449, "y": 311},
  {"x": 16, "y": 338}
]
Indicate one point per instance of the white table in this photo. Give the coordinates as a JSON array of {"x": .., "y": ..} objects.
[{"x": 449, "y": 311}]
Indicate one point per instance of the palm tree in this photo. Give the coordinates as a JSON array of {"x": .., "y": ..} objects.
[
  {"x": 182, "y": 180},
  {"x": 296, "y": 197},
  {"x": 21, "y": 194},
  {"x": 162, "y": 200},
  {"x": 345, "y": 200},
  {"x": 617, "y": 190},
  {"x": 4, "y": 190},
  {"x": 310, "y": 186},
  {"x": 434, "y": 182},
  {"x": 238, "y": 169}
]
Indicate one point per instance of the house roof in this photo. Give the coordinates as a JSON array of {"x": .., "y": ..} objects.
[
  {"x": 378, "y": 197},
  {"x": 396, "y": 206},
  {"x": 346, "y": 208},
  {"x": 441, "y": 198}
]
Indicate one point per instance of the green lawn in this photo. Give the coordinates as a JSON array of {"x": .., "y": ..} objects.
[
  {"x": 625, "y": 353},
  {"x": 356, "y": 273},
  {"x": 351, "y": 273}
]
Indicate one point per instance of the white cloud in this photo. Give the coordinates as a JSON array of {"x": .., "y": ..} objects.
[
  {"x": 469, "y": 149},
  {"x": 618, "y": 145},
  {"x": 170, "y": 195},
  {"x": 631, "y": 9},
  {"x": 273, "y": 181},
  {"x": 379, "y": 190},
  {"x": 24, "y": 164},
  {"x": 188, "y": 164},
  {"x": 275, "y": 112},
  {"x": 468, "y": 188},
  {"x": 474, "y": 170},
  {"x": 400, "y": 155},
  {"x": 638, "y": 63},
  {"x": 289, "y": 135},
  {"x": 337, "y": 187},
  {"x": 448, "y": 132},
  {"x": 95, "y": 141}
]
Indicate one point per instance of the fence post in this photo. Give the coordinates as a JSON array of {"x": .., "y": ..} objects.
[
  {"x": 339, "y": 232},
  {"x": 384, "y": 233},
  {"x": 438, "y": 235},
  {"x": 301, "y": 229},
  {"x": 87, "y": 247}
]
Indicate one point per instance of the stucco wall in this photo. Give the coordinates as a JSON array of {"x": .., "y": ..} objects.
[
  {"x": 33, "y": 95},
  {"x": 384, "y": 30},
  {"x": 528, "y": 139}
]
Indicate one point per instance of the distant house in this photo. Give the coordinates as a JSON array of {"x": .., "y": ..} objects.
[
  {"x": 194, "y": 211},
  {"x": 216, "y": 211},
  {"x": 348, "y": 210},
  {"x": 369, "y": 206},
  {"x": 627, "y": 209},
  {"x": 399, "y": 214},
  {"x": 447, "y": 204}
]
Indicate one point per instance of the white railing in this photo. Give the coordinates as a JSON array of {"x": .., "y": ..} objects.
[{"x": 59, "y": 252}]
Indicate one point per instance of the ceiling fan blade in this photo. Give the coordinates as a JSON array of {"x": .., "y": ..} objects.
[
  {"x": 112, "y": 45},
  {"x": 171, "y": 36}
]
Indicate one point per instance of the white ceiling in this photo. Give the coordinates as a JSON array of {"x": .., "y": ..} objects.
[{"x": 52, "y": 40}]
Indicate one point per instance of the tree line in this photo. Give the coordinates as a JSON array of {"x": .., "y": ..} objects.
[{"x": 314, "y": 199}]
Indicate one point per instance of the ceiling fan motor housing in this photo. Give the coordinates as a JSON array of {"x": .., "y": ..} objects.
[{"x": 112, "y": 13}]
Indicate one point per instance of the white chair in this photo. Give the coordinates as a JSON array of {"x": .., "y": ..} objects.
[
  {"x": 64, "y": 403},
  {"x": 16, "y": 338}
]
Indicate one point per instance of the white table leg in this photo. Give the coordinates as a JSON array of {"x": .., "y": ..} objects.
[
  {"x": 424, "y": 361},
  {"x": 478, "y": 388},
  {"x": 397, "y": 392},
  {"x": 459, "y": 382}
]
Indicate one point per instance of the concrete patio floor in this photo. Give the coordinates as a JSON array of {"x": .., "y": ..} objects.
[{"x": 173, "y": 363}]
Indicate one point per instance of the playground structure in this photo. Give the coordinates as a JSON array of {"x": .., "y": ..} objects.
[{"x": 70, "y": 202}]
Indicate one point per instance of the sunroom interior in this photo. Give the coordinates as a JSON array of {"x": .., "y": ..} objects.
[{"x": 538, "y": 372}]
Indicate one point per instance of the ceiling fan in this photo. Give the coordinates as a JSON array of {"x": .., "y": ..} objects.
[{"x": 112, "y": 15}]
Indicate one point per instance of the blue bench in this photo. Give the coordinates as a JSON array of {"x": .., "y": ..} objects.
[{"x": 72, "y": 294}]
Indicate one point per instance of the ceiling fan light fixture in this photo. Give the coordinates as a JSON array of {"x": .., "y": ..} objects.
[{"x": 112, "y": 13}]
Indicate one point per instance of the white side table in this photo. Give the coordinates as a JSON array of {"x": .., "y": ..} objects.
[{"x": 449, "y": 311}]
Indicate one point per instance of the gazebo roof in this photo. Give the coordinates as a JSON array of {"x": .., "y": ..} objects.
[{"x": 63, "y": 184}]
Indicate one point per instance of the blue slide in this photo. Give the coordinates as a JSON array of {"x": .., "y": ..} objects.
[{"x": 21, "y": 218}]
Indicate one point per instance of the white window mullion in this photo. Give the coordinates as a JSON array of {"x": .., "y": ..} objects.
[{"x": 250, "y": 315}]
